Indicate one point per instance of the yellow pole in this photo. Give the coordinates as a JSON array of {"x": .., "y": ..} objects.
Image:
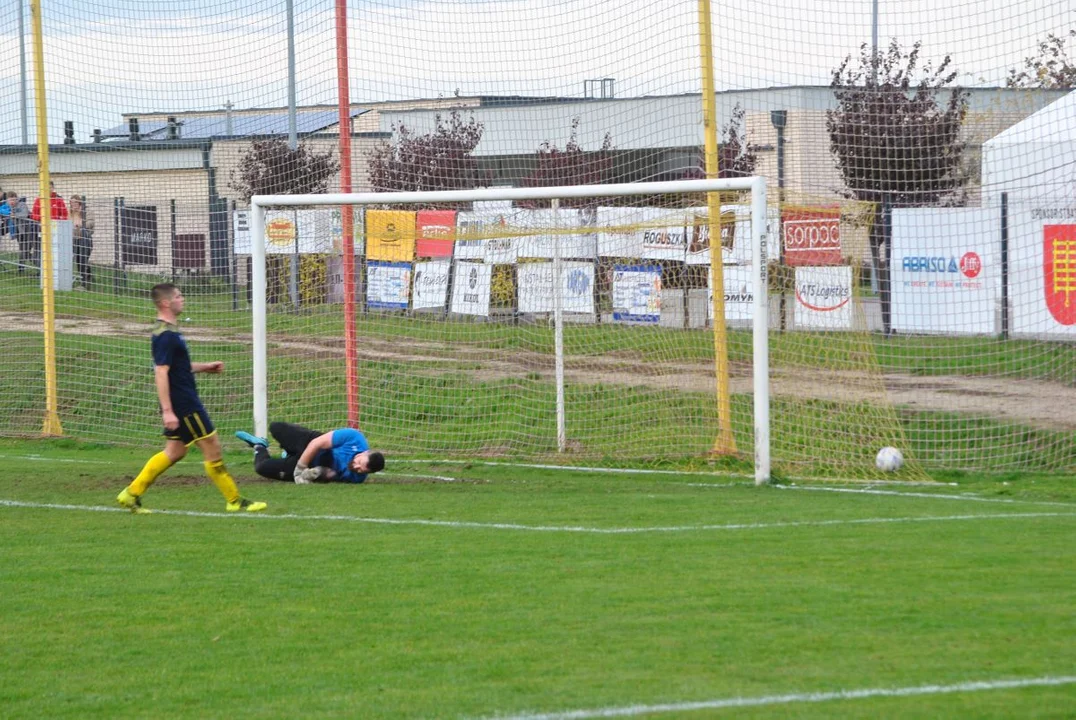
[
  {"x": 52, "y": 416},
  {"x": 725, "y": 443}
]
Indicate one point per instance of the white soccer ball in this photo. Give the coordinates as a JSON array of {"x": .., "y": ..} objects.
[{"x": 889, "y": 459}]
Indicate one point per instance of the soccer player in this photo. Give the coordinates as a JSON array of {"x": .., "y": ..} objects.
[
  {"x": 309, "y": 456},
  {"x": 185, "y": 420}
]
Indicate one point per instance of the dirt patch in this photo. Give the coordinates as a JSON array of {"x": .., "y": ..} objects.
[{"x": 1037, "y": 403}]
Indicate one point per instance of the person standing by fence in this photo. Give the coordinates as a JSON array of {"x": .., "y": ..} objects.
[
  {"x": 20, "y": 228},
  {"x": 83, "y": 222}
]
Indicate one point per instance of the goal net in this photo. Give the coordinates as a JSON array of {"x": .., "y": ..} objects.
[
  {"x": 920, "y": 225},
  {"x": 569, "y": 325}
]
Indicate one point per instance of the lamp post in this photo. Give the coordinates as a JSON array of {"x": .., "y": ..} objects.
[
  {"x": 22, "y": 75},
  {"x": 293, "y": 135}
]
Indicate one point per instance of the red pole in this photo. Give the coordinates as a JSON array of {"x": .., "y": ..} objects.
[{"x": 347, "y": 222}]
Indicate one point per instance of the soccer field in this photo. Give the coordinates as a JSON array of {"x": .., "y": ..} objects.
[{"x": 485, "y": 591}]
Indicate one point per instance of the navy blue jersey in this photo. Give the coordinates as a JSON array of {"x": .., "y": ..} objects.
[{"x": 170, "y": 349}]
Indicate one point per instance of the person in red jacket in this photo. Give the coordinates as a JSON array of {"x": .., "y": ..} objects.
[{"x": 59, "y": 207}]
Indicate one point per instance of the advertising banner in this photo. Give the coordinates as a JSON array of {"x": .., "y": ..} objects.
[
  {"x": 1059, "y": 272},
  {"x": 470, "y": 288},
  {"x": 388, "y": 285},
  {"x": 431, "y": 284},
  {"x": 735, "y": 235},
  {"x": 823, "y": 298},
  {"x": 650, "y": 233},
  {"x": 534, "y": 283},
  {"x": 138, "y": 235},
  {"x": 637, "y": 293},
  {"x": 552, "y": 234},
  {"x": 739, "y": 292},
  {"x": 436, "y": 230},
  {"x": 812, "y": 236},
  {"x": 477, "y": 228},
  {"x": 390, "y": 235},
  {"x": 310, "y": 230},
  {"x": 945, "y": 270},
  {"x": 1042, "y": 270}
]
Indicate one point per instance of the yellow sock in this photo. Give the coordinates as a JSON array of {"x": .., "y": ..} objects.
[
  {"x": 150, "y": 472},
  {"x": 220, "y": 477}
]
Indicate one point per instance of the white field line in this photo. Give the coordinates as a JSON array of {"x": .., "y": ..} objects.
[
  {"x": 488, "y": 463},
  {"x": 41, "y": 458},
  {"x": 643, "y": 471},
  {"x": 862, "y": 491},
  {"x": 973, "y": 498},
  {"x": 815, "y": 697},
  {"x": 462, "y": 524}
]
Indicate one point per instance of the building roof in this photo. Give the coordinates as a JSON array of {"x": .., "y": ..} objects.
[
  {"x": 1055, "y": 122},
  {"x": 242, "y": 125}
]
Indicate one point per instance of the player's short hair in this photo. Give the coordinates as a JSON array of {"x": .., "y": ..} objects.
[
  {"x": 375, "y": 462},
  {"x": 162, "y": 292}
]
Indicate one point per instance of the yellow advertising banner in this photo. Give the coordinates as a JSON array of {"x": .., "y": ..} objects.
[{"x": 390, "y": 235}]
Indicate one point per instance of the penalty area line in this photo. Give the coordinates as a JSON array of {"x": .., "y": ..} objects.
[
  {"x": 812, "y": 697},
  {"x": 518, "y": 527}
]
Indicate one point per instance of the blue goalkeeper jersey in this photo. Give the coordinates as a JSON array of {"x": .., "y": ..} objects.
[{"x": 347, "y": 443}]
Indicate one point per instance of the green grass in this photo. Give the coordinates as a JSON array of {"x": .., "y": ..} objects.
[
  {"x": 444, "y": 404},
  {"x": 464, "y": 415},
  {"x": 213, "y": 306},
  {"x": 111, "y": 615}
]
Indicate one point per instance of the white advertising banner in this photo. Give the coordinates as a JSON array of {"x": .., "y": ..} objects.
[
  {"x": 388, "y": 285},
  {"x": 470, "y": 288},
  {"x": 1042, "y": 270},
  {"x": 739, "y": 292},
  {"x": 534, "y": 282},
  {"x": 945, "y": 270},
  {"x": 637, "y": 293},
  {"x": 241, "y": 232},
  {"x": 650, "y": 233},
  {"x": 477, "y": 234},
  {"x": 431, "y": 284},
  {"x": 824, "y": 298},
  {"x": 310, "y": 230},
  {"x": 544, "y": 244}
]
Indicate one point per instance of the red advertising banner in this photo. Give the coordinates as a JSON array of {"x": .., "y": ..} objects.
[
  {"x": 1059, "y": 268},
  {"x": 812, "y": 235},
  {"x": 436, "y": 233}
]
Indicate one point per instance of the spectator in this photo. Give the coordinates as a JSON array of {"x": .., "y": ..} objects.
[
  {"x": 19, "y": 226},
  {"x": 83, "y": 224},
  {"x": 5, "y": 215},
  {"x": 59, "y": 207}
]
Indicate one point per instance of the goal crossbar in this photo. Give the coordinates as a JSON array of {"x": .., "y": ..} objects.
[{"x": 755, "y": 185}]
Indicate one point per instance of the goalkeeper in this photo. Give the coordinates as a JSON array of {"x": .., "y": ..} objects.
[{"x": 309, "y": 456}]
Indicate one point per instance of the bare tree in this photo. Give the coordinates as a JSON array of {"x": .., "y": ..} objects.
[
  {"x": 270, "y": 167},
  {"x": 570, "y": 166},
  {"x": 1052, "y": 68},
  {"x": 440, "y": 160}
]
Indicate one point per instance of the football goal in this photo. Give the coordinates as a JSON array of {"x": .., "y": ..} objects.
[{"x": 562, "y": 325}]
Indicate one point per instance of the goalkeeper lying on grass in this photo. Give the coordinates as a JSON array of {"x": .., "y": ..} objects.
[{"x": 309, "y": 456}]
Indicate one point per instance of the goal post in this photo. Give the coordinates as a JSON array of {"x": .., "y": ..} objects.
[{"x": 755, "y": 186}]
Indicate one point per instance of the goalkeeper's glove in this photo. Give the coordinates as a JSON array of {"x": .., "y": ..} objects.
[{"x": 305, "y": 475}]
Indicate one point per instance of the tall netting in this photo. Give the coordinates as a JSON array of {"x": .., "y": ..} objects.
[{"x": 921, "y": 224}]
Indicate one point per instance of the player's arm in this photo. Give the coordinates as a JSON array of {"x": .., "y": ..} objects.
[
  {"x": 321, "y": 442},
  {"x": 209, "y": 367},
  {"x": 164, "y": 396}
]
